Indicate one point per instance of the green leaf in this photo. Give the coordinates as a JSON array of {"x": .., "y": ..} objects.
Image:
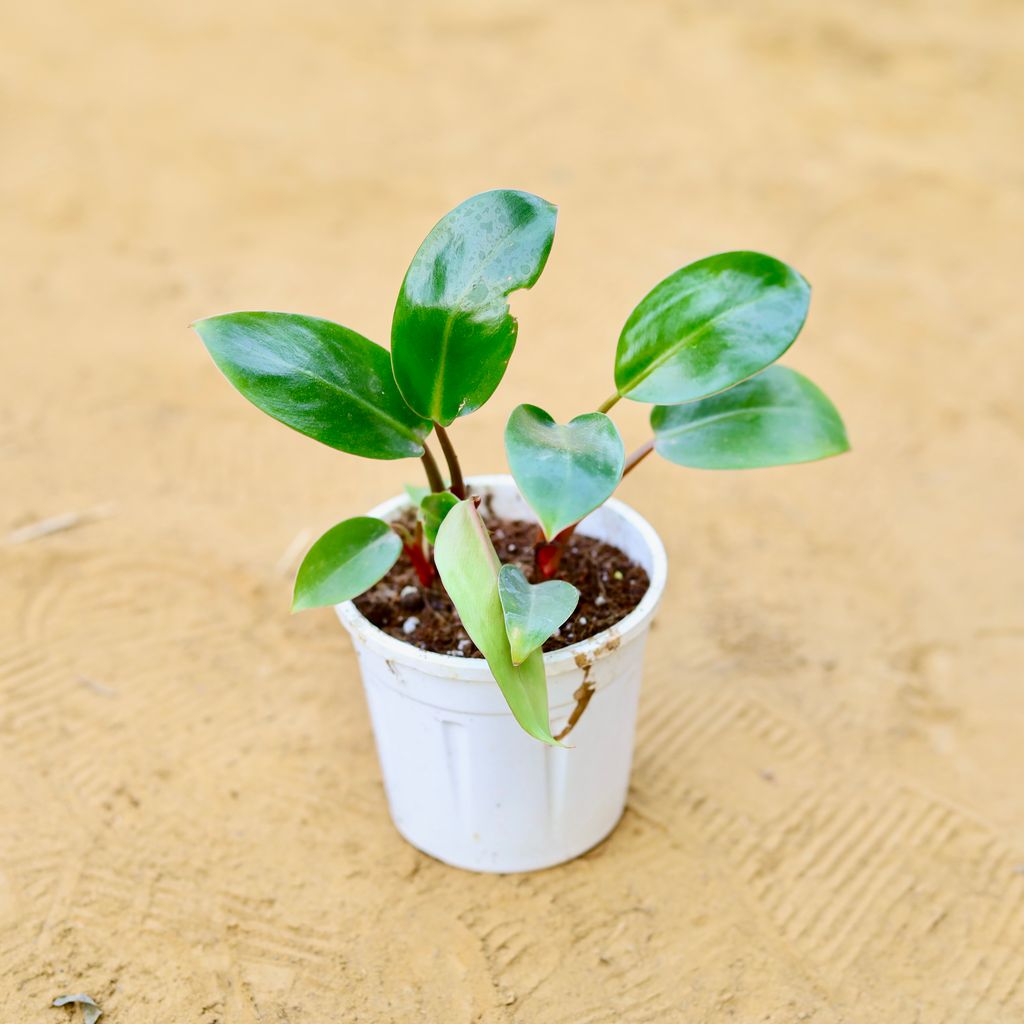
[
  {"x": 775, "y": 418},
  {"x": 416, "y": 494},
  {"x": 709, "y": 326},
  {"x": 533, "y": 611},
  {"x": 90, "y": 1011},
  {"x": 452, "y": 334},
  {"x": 348, "y": 559},
  {"x": 564, "y": 471},
  {"x": 468, "y": 566},
  {"x": 318, "y": 378},
  {"x": 434, "y": 508}
]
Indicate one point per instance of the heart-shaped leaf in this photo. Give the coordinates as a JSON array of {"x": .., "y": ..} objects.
[
  {"x": 563, "y": 470},
  {"x": 318, "y": 378},
  {"x": 452, "y": 334},
  {"x": 348, "y": 559},
  {"x": 709, "y": 326},
  {"x": 533, "y": 611},
  {"x": 775, "y": 418},
  {"x": 433, "y": 509},
  {"x": 468, "y": 566}
]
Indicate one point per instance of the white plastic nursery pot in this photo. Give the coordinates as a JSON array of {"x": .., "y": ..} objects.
[{"x": 464, "y": 783}]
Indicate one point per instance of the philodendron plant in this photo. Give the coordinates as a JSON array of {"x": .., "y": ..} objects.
[{"x": 699, "y": 348}]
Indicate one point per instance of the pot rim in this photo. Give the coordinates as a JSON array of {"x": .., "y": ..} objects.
[{"x": 555, "y": 662}]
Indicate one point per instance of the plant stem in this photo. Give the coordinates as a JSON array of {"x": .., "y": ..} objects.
[
  {"x": 609, "y": 402},
  {"x": 433, "y": 473},
  {"x": 423, "y": 565},
  {"x": 403, "y": 533},
  {"x": 547, "y": 556},
  {"x": 458, "y": 488},
  {"x": 638, "y": 456}
]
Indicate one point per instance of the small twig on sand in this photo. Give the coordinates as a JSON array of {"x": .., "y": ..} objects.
[
  {"x": 58, "y": 524},
  {"x": 286, "y": 563},
  {"x": 97, "y": 688}
]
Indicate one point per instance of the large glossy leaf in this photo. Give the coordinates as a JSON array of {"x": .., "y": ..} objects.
[
  {"x": 348, "y": 559},
  {"x": 709, "y": 326},
  {"x": 563, "y": 470},
  {"x": 317, "y": 377},
  {"x": 433, "y": 509},
  {"x": 452, "y": 334},
  {"x": 468, "y": 566},
  {"x": 775, "y": 418},
  {"x": 533, "y": 611}
]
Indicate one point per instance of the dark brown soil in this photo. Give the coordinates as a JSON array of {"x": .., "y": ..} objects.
[{"x": 610, "y": 587}]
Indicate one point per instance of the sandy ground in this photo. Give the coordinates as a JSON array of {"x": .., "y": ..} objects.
[{"x": 826, "y": 822}]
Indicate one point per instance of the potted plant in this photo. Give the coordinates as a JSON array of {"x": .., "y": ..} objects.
[{"x": 518, "y": 759}]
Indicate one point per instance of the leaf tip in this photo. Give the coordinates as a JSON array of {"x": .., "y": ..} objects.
[{"x": 554, "y": 741}]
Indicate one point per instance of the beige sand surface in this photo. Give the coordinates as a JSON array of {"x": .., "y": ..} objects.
[{"x": 826, "y": 822}]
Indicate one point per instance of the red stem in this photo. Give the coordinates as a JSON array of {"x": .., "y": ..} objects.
[
  {"x": 547, "y": 556},
  {"x": 420, "y": 562}
]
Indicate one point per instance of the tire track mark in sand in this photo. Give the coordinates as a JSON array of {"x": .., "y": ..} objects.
[
  {"x": 643, "y": 952},
  {"x": 868, "y": 880},
  {"x": 558, "y": 935}
]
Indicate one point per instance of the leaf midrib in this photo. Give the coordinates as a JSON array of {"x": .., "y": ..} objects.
[
  {"x": 564, "y": 452},
  {"x": 371, "y": 547},
  {"x": 456, "y": 306},
  {"x": 536, "y": 704},
  {"x": 658, "y": 361},
  {"x": 399, "y": 427},
  {"x": 718, "y": 416}
]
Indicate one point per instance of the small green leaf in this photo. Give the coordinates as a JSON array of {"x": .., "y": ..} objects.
[
  {"x": 90, "y": 1011},
  {"x": 563, "y": 470},
  {"x": 708, "y": 326},
  {"x": 416, "y": 494},
  {"x": 318, "y": 378},
  {"x": 775, "y": 418},
  {"x": 533, "y": 611},
  {"x": 468, "y": 566},
  {"x": 434, "y": 508},
  {"x": 348, "y": 559},
  {"x": 452, "y": 334}
]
